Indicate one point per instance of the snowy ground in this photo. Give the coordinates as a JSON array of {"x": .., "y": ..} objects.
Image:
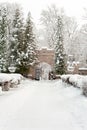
[{"x": 43, "y": 105}]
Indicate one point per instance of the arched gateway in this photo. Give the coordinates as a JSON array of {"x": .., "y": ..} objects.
[
  {"x": 45, "y": 64},
  {"x": 45, "y": 69}
]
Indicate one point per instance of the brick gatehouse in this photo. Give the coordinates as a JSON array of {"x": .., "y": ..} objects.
[{"x": 45, "y": 64}]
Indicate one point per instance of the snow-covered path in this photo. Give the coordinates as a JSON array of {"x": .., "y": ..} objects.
[{"x": 43, "y": 105}]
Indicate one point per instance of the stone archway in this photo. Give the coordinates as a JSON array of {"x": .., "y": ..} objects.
[{"x": 45, "y": 69}]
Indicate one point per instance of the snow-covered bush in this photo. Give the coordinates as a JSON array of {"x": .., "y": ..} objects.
[
  {"x": 65, "y": 78},
  {"x": 9, "y": 80},
  {"x": 84, "y": 85},
  {"x": 84, "y": 89},
  {"x": 0, "y": 89},
  {"x": 15, "y": 79},
  {"x": 4, "y": 77},
  {"x": 78, "y": 81},
  {"x": 5, "y": 81},
  {"x": 75, "y": 80}
]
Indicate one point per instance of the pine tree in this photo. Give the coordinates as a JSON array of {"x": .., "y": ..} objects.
[
  {"x": 59, "y": 51},
  {"x": 30, "y": 43},
  {"x": 16, "y": 44},
  {"x": 3, "y": 37}
]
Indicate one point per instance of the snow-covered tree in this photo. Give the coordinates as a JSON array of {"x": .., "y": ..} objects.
[
  {"x": 17, "y": 38},
  {"x": 26, "y": 47},
  {"x": 52, "y": 19},
  {"x": 70, "y": 34},
  {"x": 3, "y": 37},
  {"x": 60, "y": 66},
  {"x": 29, "y": 44},
  {"x": 81, "y": 50},
  {"x": 7, "y": 14},
  {"x": 49, "y": 21}
]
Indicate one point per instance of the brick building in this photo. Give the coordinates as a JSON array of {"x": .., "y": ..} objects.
[
  {"x": 44, "y": 64},
  {"x": 47, "y": 56}
]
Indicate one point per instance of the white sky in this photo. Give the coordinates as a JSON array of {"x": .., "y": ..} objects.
[{"x": 72, "y": 7}]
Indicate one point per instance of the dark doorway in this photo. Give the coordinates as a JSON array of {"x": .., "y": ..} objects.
[{"x": 37, "y": 74}]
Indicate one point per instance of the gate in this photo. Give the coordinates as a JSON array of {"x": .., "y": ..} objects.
[{"x": 37, "y": 74}]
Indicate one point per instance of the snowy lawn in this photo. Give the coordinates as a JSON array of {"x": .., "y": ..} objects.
[{"x": 43, "y": 105}]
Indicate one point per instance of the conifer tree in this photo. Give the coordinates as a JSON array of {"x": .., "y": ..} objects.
[
  {"x": 16, "y": 44},
  {"x": 3, "y": 37},
  {"x": 30, "y": 43},
  {"x": 59, "y": 51}
]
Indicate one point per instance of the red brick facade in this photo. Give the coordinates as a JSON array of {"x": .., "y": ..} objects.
[{"x": 46, "y": 57}]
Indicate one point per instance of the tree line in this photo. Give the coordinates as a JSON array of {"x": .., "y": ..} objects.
[{"x": 17, "y": 39}]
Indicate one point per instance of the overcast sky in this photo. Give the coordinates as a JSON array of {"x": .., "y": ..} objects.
[{"x": 72, "y": 7}]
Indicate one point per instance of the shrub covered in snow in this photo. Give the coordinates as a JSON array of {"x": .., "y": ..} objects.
[
  {"x": 9, "y": 80},
  {"x": 75, "y": 80},
  {"x": 0, "y": 89},
  {"x": 84, "y": 85},
  {"x": 84, "y": 90},
  {"x": 79, "y": 81},
  {"x": 4, "y": 77},
  {"x": 5, "y": 81},
  {"x": 65, "y": 78},
  {"x": 16, "y": 78}
]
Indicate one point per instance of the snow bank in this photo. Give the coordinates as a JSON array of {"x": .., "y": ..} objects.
[{"x": 76, "y": 80}]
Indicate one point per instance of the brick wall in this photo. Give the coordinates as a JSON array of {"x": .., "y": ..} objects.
[{"x": 46, "y": 55}]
